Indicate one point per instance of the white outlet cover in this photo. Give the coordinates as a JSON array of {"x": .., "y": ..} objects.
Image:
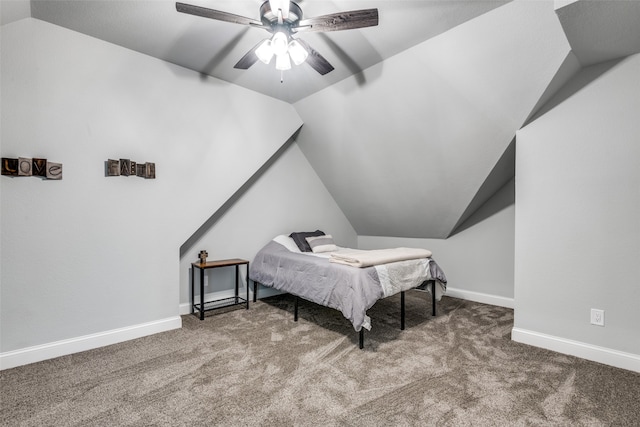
[{"x": 597, "y": 317}]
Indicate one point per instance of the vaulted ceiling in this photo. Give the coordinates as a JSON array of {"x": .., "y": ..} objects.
[
  {"x": 414, "y": 129},
  {"x": 211, "y": 47}
]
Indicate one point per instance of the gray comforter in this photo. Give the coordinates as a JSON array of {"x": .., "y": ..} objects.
[{"x": 350, "y": 290}]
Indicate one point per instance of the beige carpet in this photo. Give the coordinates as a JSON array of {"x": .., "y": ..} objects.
[{"x": 258, "y": 367}]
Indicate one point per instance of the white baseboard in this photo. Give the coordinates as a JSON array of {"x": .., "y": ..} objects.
[
  {"x": 184, "y": 308},
  {"x": 591, "y": 352},
  {"x": 24, "y": 356},
  {"x": 480, "y": 297}
]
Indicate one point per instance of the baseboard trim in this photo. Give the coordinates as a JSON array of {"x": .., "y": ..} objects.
[
  {"x": 38, "y": 353},
  {"x": 480, "y": 297},
  {"x": 595, "y": 353}
]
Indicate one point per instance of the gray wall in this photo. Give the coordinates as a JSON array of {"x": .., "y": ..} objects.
[
  {"x": 287, "y": 197},
  {"x": 577, "y": 241},
  {"x": 478, "y": 261},
  {"x": 91, "y": 254}
]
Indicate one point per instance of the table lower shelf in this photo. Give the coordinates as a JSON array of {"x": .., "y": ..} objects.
[{"x": 220, "y": 303}]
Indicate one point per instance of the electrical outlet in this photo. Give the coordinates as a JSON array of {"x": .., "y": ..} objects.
[
  {"x": 597, "y": 317},
  {"x": 206, "y": 279}
]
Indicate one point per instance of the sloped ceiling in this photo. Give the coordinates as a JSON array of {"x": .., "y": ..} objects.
[
  {"x": 14, "y": 10},
  {"x": 414, "y": 145},
  {"x": 600, "y": 31},
  {"x": 414, "y": 130},
  {"x": 153, "y": 27},
  {"x": 406, "y": 153}
]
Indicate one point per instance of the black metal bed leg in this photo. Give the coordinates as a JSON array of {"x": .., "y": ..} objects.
[
  {"x": 295, "y": 310},
  {"x": 248, "y": 287},
  {"x": 402, "y": 310},
  {"x": 255, "y": 290},
  {"x": 361, "y": 339},
  {"x": 433, "y": 297}
]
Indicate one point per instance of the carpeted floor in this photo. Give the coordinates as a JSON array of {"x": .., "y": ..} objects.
[{"x": 258, "y": 367}]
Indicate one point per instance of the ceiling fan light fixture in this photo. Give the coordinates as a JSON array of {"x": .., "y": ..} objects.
[
  {"x": 298, "y": 53},
  {"x": 283, "y": 62},
  {"x": 264, "y": 52},
  {"x": 279, "y": 43}
]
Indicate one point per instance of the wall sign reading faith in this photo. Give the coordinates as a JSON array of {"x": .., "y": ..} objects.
[
  {"x": 26, "y": 166},
  {"x": 127, "y": 167}
]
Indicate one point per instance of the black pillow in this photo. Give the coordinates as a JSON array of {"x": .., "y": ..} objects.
[{"x": 300, "y": 239}]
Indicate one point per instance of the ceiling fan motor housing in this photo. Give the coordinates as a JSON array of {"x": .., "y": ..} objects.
[{"x": 270, "y": 18}]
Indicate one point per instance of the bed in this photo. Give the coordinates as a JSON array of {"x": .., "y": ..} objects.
[{"x": 309, "y": 265}]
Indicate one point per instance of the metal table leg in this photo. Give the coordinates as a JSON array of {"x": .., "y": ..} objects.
[
  {"x": 202, "y": 294},
  {"x": 236, "y": 282}
]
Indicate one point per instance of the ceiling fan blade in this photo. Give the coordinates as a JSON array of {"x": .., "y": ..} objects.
[
  {"x": 340, "y": 21},
  {"x": 216, "y": 14},
  {"x": 315, "y": 60},
  {"x": 249, "y": 58}
]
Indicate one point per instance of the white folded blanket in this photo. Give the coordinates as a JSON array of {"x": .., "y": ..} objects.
[{"x": 358, "y": 258}]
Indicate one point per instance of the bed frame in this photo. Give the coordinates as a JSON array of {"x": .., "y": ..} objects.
[{"x": 361, "y": 333}]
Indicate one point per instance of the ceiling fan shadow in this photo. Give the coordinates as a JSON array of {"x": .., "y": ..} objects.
[
  {"x": 354, "y": 68},
  {"x": 210, "y": 66}
]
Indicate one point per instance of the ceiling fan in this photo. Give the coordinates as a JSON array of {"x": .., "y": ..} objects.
[{"x": 283, "y": 19}]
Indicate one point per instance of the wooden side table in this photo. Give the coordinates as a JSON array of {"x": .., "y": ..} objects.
[{"x": 222, "y": 302}]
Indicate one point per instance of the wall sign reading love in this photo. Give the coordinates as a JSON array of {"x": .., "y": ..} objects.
[{"x": 26, "y": 166}]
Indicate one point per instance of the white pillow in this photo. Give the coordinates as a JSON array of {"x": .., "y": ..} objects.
[
  {"x": 321, "y": 243},
  {"x": 287, "y": 242}
]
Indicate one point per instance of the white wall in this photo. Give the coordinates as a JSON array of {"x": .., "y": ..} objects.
[
  {"x": 288, "y": 197},
  {"x": 90, "y": 255},
  {"x": 477, "y": 261},
  {"x": 577, "y": 241}
]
